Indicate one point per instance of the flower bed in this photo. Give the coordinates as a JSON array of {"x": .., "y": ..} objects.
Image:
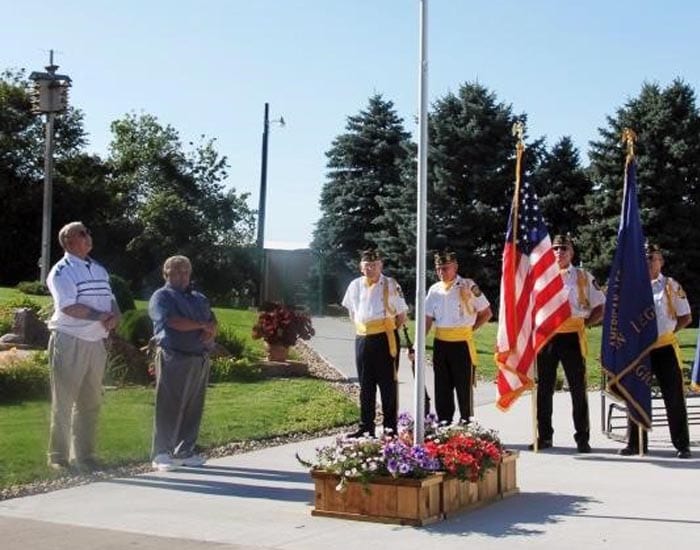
[{"x": 391, "y": 480}]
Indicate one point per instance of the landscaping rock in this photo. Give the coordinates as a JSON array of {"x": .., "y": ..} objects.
[{"x": 28, "y": 331}]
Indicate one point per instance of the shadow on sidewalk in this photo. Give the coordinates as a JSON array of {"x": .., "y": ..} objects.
[
  {"x": 202, "y": 482},
  {"x": 525, "y": 514}
]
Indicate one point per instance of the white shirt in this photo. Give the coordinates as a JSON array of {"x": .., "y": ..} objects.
[
  {"x": 76, "y": 281},
  {"x": 365, "y": 302},
  {"x": 445, "y": 304},
  {"x": 592, "y": 293},
  {"x": 666, "y": 313}
]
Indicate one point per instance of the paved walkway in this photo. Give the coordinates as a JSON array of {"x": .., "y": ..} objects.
[{"x": 262, "y": 499}]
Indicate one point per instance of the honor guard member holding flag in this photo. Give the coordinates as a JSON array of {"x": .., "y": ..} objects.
[
  {"x": 377, "y": 307},
  {"x": 457, "y": 308},
  {"x": 568, "y": 346},
  {"x": 672, "y": 314}
]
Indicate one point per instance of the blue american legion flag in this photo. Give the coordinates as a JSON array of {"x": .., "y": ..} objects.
[
  {"x": 629, "y": 324},
  {"x": 534, "y": 303},
  {"x": 695, "y": 374}
]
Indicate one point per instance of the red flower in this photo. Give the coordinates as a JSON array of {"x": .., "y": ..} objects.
[{"x": 278, "y": 324}]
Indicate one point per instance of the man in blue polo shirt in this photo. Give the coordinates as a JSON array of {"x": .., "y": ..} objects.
[
  {"x": 84, "y": 312},
  {"x": 184, "y": 328}
]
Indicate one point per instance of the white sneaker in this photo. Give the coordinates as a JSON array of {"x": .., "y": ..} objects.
[
  {"x": 192, "y": 461},
  {"x": 163, "y": 463}
]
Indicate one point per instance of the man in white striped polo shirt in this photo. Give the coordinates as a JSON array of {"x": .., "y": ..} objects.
[{"x": 84, "y": 312}]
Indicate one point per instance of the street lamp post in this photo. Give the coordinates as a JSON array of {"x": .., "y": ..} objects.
[
  {"x": 49, "y": 96},
  {"x": 260, "y": 242}
]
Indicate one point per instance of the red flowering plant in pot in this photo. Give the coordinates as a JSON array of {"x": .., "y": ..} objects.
[{"x": 280, "y": 325}]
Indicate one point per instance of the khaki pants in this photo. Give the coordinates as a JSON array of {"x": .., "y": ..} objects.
[{"x": 77, "y": 367}]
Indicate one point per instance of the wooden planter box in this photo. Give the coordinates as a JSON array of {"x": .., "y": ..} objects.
[
  {"x": 402, "y": 501},
  {"x": 412, "y": 501},
  {"x": 497, "y": 483},
  {"x": 507, "y": 476}
]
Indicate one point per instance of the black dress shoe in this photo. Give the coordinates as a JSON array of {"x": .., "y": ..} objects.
[
  {"x": 685, "y": 453},
  {"x": 630, "y": 451},
  {"x": 583, "y": 447},
  {"x": 541, "y": 445}
]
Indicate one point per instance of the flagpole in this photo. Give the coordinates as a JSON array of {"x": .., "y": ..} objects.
[
  {"x": 628, "y": 138},
  {"x": 421, "y": 221},
  {"x": 519, "y": 132}
]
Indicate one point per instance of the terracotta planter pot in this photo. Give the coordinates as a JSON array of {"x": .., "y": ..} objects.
[{"x": 277, "y": 352}]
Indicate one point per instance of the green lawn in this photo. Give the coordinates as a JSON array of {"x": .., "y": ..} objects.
[
  {"x": 233, "y": 412},
  {"x": 486, "y": 340}
]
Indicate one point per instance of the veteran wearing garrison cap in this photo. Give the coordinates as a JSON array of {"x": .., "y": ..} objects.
[
  {"x": 456, "y": 308},
  {"x": 569, "y": 346},
  {"x": 672, "y": 314},
  {"x": 377, "y": 308}
]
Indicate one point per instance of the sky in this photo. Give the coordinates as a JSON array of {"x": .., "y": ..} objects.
[{"x": 207, "y": 67}]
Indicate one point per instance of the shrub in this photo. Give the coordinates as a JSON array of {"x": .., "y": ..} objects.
[
  {"x": 136, "y": 327},
  {"x": 7, "y": 311},
  {"x": 33, "y": 287},
  {"x": 227, "y": 369},
  {"x": 234, "y": 344},
  {"x": 24, "y": 378},
  {"x": 122, "y": 293},
  {"x": 24, "y": 301},
  {"x": 122, "y": 370}
]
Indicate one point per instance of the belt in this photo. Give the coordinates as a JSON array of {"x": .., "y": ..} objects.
[{"x": 185, "y": 353}]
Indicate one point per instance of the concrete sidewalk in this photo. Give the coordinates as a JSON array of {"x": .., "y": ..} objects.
[{"x": 263, "y": 499}]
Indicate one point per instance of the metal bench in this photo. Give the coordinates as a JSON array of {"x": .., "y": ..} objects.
[{"x": 613, "y": 414}]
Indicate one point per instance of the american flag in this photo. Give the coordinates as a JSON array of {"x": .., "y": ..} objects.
[{"x": 533, "y": 303}]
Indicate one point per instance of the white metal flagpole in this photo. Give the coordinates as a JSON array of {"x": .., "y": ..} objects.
[{"x": 421, "y": 220}]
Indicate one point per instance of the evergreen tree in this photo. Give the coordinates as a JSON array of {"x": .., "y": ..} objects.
[
  {"x": 562, "y": 186},
  {"x": 470, "y": 178},
  {"x": 667, "y": 123},
  {"x": 364, "y": 165}
]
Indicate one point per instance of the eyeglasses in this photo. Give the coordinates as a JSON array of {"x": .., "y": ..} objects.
[
  {"x": 560, "y": 248},
  {"x": 82, "y": 233}
]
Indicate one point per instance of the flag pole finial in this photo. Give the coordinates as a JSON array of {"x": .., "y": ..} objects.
[
  {"x": 519, "y": 133},
  {"x": 629, "y": 137}
]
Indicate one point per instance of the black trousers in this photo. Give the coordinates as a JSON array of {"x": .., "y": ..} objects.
[
  {"x": 664, "y": 365},
  {"x": 376, "y": 368},
  {"x": 453, "y": 374},
  {"x": 564, "y": 348}
]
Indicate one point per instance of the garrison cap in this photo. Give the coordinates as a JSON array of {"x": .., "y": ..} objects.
[
  {"x": 370, "y": 255},
  {"x": 445, "y": 257},
  {"x": 563, "y": 240}
]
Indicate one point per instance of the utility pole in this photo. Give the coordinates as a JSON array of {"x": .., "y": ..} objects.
[
  {"x": 49, "y": 96},
  {"x": 260, "y": 243}
]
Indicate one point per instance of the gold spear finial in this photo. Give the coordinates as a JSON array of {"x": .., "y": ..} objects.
[
  {"x": 629, "y": 137},
  {"x": 518, "y": 130}
]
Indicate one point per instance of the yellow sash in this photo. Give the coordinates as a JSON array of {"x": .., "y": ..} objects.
[
  {"x": 458, "y": 334},
  {"x": 669, "y": 339},
  {"x": 582, "y": 285},
  {"x": 388, "y": 324},
  {"x": 576, "y": 324}
]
